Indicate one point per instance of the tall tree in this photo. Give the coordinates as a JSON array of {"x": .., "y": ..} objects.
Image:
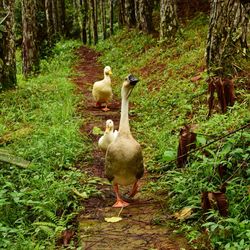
[
  {"x": 29, "y": 45},
  {"x": 103, "y": 12},
  {"x": 7, "y": 46},
  {"x": 84, "y": 20},
  {"x": 121, "y": 13},
  {"x": 226, "y": 36},
  {"x": 59, "y": 16},
  {"x": 94, "y": 21},
  {"x": 54, "y": 16},
  {"x": 144, "y": 9},
  {"x": 49, "y": 22},
  {"x": 168, "y": 19},
  {"x": 130, "y": 19},
  {"x": 111, "y": 16}
]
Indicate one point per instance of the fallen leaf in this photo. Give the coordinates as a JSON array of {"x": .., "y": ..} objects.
[
  {"x": 184, "y": 213},
  {"x": 113, "y": 219},
  {"x": 196, "y": 78}
]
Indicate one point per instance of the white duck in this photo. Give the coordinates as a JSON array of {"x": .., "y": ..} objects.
[
  {"x": 124, "y": 161},
  {"x": 108, "y": 137},
  {"x": 102, "y": 90}
]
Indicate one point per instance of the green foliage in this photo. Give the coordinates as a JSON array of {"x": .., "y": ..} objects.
[
  {"x": 38, "y": 122},
  {"x": 165, "y": 98}
]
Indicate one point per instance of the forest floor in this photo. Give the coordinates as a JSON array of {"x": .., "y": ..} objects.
[{"x": 138, "y": 228}]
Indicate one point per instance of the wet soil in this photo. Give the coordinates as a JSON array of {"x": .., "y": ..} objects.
[{"x": 139, "y": 227}]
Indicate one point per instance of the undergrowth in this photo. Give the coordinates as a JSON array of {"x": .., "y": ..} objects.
[
  {"x": 38, "y": 122},
  {"x": 166, "y": 98}
]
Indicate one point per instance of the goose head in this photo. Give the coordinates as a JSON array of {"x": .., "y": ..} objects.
[
  {"x": 109, "y": 126},
  {"x": 128, "y": 86},
  {"x": 107, "y": 70}
]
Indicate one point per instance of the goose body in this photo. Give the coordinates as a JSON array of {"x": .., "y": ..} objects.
[
  {"x": 124, "y": 160},
  {"x": 102, "y": 90},
  {"x": 108, "y": 137}
]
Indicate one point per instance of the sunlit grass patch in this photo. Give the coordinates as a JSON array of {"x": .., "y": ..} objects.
[{"x": 39, "y": 123}]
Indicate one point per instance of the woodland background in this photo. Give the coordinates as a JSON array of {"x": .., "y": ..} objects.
[{"x": 193, "y": 59}]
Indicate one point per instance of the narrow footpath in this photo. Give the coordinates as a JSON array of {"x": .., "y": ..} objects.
[{"x": 139, "y": 227}]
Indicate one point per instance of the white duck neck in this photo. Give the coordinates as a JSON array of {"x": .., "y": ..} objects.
[
  {"x": 124, "y": 127},
  {"x": 107, "y": 77}
]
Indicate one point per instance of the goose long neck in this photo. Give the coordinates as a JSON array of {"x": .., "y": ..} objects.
[
  {"x": 124, "y": 120},
  {"x": 106, "y": 77}
]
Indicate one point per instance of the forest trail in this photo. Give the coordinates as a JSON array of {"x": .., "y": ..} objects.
[{"x": 138, "y": 228}]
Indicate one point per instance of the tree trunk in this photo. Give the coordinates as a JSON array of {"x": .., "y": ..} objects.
[
  {"x": 30, "y": 50},
  {"x": 103, "y": 11},
  {"x": 7, "y": 48},
  {"x": 59, "y": 15},
  {"x": 84, "y": 21},
  {"x": 89, "y": 23},
  {"x": 94, "y": 21},
  {"x": 54, "y": 16},
  {"x": 226, "y": 36},
  {"x": 168, "y": 19},
  {"x": 63, "y": 17},
  {"x": 144, "y": 9},
  {"x": 111, "y": 15},
  {"x": 49, "y": 20},
  {"x": 130, "y": 13},
  {"x": 121, "y": 19}
]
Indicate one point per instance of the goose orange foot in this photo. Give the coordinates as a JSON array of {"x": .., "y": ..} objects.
[
  {"x": 120, "y": 203},
  {"x": 134, "y": 190},
  {"x": 105, "y": 109}
]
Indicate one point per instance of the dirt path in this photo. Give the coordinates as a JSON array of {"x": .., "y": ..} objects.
[{"x": 138, "y": 229}]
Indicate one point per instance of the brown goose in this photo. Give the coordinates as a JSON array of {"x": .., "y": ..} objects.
[{"x": 124, "y": 161}]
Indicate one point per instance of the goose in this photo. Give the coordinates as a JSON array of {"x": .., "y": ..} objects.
[
  {"x": 108, "y": 137},
  {"x": 123, "y": 159},
  {"x": 102, "y": 91}
]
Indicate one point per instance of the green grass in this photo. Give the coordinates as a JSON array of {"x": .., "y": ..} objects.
[
  {"x": 38, "y": 122},
  {"x": 165, "y": 99}
]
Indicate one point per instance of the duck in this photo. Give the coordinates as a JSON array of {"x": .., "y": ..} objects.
[
  {"x": 124, "y": 160},
  {"x": 108, "y": 137},
  {"x": 102, "y": 90}
]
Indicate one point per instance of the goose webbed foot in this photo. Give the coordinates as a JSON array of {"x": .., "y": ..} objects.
[
  {"x": 106, "y": 108},
  {"x": 119, "y": 201}
]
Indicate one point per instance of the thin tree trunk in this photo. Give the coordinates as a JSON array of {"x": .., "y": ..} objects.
[
  {"x": 111, "y": 15},
  {"x": 54, "y": 16},
  {"x": 84, "y": 21},
  {"x": 7, "y": 48},
  {"x": 63, "y": 17},
  {"x": 169, "y": 21},
  {"x": 94, "y": 23},
  {"x": 59, "y": 15},
  {"x": 49, "y": 21},
  {"x": 30, "y": 50},
  {"x": 121, "y": 13},
  {"x": 89, "y": 23},
  {"x": 103, "y": 11},
  {"x": 79, "y": 17}
]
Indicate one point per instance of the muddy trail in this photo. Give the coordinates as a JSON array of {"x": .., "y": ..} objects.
[{"x": 139, "y": 227}]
